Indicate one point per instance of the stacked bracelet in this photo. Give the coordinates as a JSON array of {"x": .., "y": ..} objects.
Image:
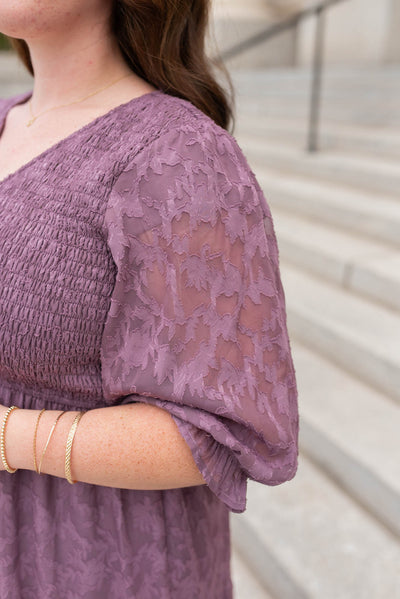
[
  {"x": 48, "y": 439},
  {"x": 2, "y": 444},
  {"x": 68, "y": 447},
  {"x": 34, "y": 439}
]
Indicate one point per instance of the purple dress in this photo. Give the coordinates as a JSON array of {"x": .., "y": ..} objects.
[{"x": 139, "y": 264}]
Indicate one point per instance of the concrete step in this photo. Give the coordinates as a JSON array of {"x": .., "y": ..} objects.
[
  {"x": 359, "y": 95},
  {"x": 307, "y": 539},
  {"x": 341, "y": 111},
  {"x": 378, "y": 141},
  {"x": 371, "y": 174},
  {"x": 245, "y": 584},
  {"x": 351, "y": 109},
  {"x": 336, "y": 97},
  {"x": 347, "y": 76},
  {"x": 351, "y": 432},
  {"x": 356, "y": 334},
  {"x": 339, "y": 100},
  {"x": 342, "y": 80},
  {"x": 375, "y": 216},
  {"x": 366, "y": 267}
]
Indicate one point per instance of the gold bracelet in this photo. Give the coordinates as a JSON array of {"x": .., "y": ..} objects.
[
  {"x": 2, "y": 444},
  {"x": 48, "y": 439},
  {"x": 68, "y": 448},
  {"x": 34, "y": 439}
]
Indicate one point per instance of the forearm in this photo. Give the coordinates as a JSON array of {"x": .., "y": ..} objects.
[{"x": 133, "y": 446}]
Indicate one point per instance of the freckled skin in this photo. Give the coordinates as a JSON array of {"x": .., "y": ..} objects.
[
  {"x": 61, "y": 32},
  {"x": 30, "y": 19}
]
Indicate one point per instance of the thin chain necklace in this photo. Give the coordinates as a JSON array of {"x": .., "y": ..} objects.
[{"x": 33, "y": 119}]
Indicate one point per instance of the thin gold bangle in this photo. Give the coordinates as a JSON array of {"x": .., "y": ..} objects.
[
  {"x": 2, "y": 444},
  {"x": 48, "y": 439},
  {"x": 68, "y": 447},
  {"x": 34, "y": 439}
]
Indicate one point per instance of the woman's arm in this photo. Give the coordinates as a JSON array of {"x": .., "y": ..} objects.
[{"x": 134, "y": 446}]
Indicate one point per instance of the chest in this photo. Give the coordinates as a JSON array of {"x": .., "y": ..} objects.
[
  {"x": 19, "y": 144},
  {"x": 56, "y": 278},
  {"x": 15, "y": 153}
]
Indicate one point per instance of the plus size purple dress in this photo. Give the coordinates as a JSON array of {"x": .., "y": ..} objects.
[{"x": 138, "y": 263}]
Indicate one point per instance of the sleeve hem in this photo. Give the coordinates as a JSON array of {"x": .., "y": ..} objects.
[{"x": 229, "y": 472}]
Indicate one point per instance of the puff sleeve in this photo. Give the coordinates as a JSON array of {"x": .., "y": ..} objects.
[{"x": 197, "y": 320}]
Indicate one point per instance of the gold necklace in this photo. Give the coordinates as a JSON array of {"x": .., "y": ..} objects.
[{"x": 33, "y": 119}]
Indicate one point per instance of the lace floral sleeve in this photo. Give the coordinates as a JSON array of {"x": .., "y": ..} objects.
[{"x": 197, "y": 321}]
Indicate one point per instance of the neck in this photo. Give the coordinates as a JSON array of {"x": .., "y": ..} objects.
[{"x": 72, "y": 67}]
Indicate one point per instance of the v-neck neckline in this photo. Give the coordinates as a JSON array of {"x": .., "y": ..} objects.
[{"x": 20, "y": 99}]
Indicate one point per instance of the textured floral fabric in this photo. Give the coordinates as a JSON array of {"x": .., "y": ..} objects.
[{"x": 139, "y": 263}]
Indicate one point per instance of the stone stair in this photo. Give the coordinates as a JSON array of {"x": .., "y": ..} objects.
[
  {"x": 376, "y": 174},
  {"x": 245, "y": 583},
  {"x": 334, "y": 530},
  {"x": 310, "y": 539},
  {"x": 378, "y": 141},
  {"x": 366, "y": 267},
  {"x": 360, "y": 212},
  {"x": 362, "y": 96}
]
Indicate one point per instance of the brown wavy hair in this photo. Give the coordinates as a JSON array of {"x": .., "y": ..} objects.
[{"x": 163, "y": 41}]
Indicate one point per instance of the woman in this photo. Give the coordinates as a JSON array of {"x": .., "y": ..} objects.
[{"x": 143, "y": 344}]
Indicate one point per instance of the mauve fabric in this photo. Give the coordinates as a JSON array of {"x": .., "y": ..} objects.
[{"x": 138, "y": 263}]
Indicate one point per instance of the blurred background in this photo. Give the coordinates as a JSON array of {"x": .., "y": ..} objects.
[{"x": 318, "y": 117}]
